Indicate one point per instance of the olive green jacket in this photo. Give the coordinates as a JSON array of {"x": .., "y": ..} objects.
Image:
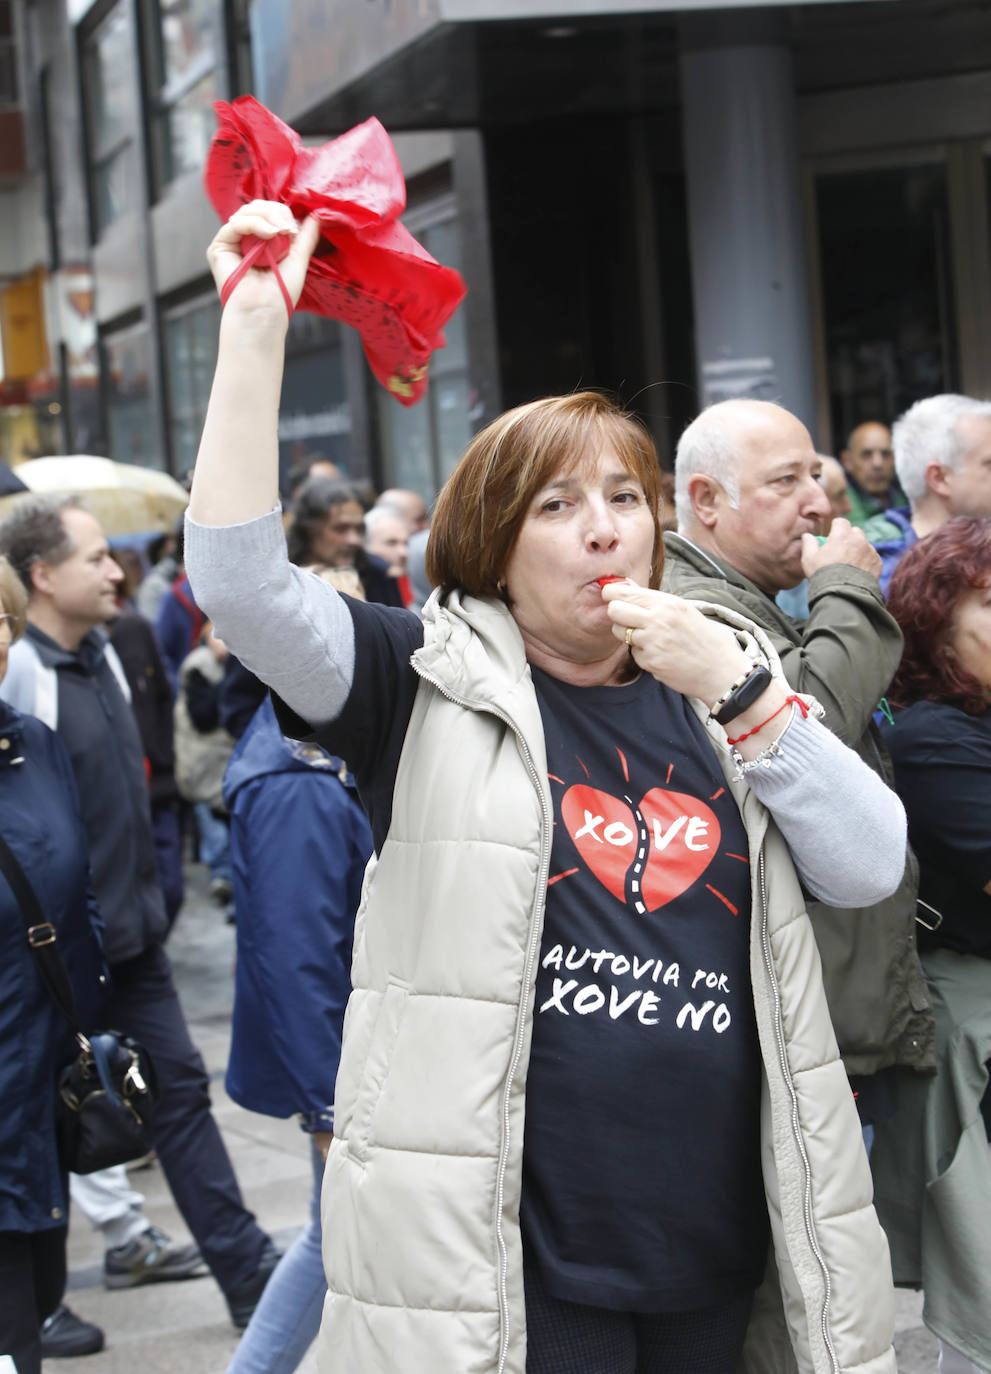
[
  {"x": 844, "y": 655},
  {"x": 932, "y": 1164},
  {"x": 864, "y": 507}
]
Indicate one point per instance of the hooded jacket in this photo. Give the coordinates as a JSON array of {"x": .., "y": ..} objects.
[
  {"x": 845, "y": 654},
  {"x": 201, "y": 755},
  {"x": 299, "y": 845},
  {"x": 421, "y": 1200},
  {"x": 84, "y": 696},
  {"x": 892, "y": 535}
]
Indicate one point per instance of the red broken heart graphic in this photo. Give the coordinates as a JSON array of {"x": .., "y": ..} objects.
[{"x": 680, "y": 839}]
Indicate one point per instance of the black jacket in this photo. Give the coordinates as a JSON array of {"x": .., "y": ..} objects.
[{"x": 151, "y": 702}]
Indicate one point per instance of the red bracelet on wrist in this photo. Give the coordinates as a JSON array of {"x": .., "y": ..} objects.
[{"x": 788, "y": 701}]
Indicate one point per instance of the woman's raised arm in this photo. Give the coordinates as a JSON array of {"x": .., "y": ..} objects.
[
  {"x": 288, "y": 627},
  {"x": 237, "y": 467}
]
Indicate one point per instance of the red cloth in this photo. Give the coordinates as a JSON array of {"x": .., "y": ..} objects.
[{"x": 367, "y": 270}]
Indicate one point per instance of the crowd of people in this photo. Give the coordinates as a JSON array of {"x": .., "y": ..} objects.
[
  {"x": 124, "y": 707},
  {"x": 654, "y": 825}
]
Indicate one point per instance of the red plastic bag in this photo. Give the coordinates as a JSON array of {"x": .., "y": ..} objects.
[{"x": 367, "y": 270}]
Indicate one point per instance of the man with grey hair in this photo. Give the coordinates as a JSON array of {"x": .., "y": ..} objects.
[
  {"x": 750, "y": 505},
  {"x": 943, "y": 460},
  {"x": 408, "y": 505},
  {"x": 64, "y": 671},
  {"x": 386, "y": 537}
]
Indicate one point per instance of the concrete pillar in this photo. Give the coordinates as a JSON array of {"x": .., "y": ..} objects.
[{"x": 752, "y": 329}]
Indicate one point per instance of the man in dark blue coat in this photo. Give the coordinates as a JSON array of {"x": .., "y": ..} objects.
[{"x": 65, "y": 672}]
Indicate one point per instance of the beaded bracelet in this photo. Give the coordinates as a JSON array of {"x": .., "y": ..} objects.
[
  {"x": 720, "y": 702},
  {"x": 762, "y": 760}
]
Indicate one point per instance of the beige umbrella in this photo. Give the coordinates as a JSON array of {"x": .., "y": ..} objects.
[{"x": 125, "y": 498}]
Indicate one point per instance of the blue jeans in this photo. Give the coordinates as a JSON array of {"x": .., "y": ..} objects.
[
  {"x": 287, "y": 1319},
  {"x": 215, "y": 841}
]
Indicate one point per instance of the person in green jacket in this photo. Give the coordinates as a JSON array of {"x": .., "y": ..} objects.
[
  {"x": 869, "y": 461},
  {"x": 749, "y": 506}
]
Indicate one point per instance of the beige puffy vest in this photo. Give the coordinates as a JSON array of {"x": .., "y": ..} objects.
[{"x": 421, "y": 1194}]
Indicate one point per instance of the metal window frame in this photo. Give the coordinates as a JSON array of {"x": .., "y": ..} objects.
[
  {"x": 98, "y": 155},
  {"x": 423, "y": 215},
  {"x": 163, "y": 94}
]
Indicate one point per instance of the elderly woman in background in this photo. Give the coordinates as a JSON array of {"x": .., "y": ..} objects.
[
  {"x": 588, "y": 1035},
  {"x": 41, "y": 826},
  {"x": 931, "y": 1161}
]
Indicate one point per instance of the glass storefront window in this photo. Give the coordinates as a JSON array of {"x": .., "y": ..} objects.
[
  {"x": 408, "y": 445},
  {"x": 107, "y": 76},
  {"x": 887, "y": 291},
  {"x": 111, "y": 188},
  {"x": 190, "y": 357},
  {"x": 185, "y": 84},
  {"x": 422, "y": 445},
  {"x": 314, "y": 413},
  {"x": 186, "y": 31},
  {"x": 191, "y": 124},
  {"x": 127, "y": 358}
]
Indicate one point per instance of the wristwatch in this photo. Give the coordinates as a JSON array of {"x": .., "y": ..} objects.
[{"x": 743, "y": 695}]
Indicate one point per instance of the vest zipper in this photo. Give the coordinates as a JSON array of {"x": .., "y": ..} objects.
[
  {"x": 796, "y": 1130},
  {"x": 531, "y": 956}
]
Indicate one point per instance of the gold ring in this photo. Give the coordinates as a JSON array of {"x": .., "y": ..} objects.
[{"x": 629, "y": 636}]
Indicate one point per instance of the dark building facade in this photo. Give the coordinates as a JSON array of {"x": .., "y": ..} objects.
[{"x": 673, "y": 202}]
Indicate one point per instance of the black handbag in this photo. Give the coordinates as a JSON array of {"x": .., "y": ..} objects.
[{"x": 106, "y": 1098}]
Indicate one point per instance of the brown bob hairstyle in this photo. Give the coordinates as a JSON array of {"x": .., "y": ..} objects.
[{"x": 484, "y": 502}]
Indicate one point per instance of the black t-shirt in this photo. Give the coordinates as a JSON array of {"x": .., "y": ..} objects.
[
  {"x": 642, "y": 1187},
  {"x": 942, "y": 760},
  {"x": 370, "y": 730}
]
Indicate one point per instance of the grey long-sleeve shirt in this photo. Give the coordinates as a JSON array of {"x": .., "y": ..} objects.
[{"x": 294, "y": 631}]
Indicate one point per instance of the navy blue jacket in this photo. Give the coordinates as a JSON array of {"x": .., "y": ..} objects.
[
  {"x": 97, "y": 726},
  {"x": 40, "y": 820},
  {"x": 299, "y": 845}
]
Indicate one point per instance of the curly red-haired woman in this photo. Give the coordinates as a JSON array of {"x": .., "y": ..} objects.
[{"x": 931, "y": 1162}]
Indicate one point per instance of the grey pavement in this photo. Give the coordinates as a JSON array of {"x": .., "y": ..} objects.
[{"x": 184, "y": 1326}]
